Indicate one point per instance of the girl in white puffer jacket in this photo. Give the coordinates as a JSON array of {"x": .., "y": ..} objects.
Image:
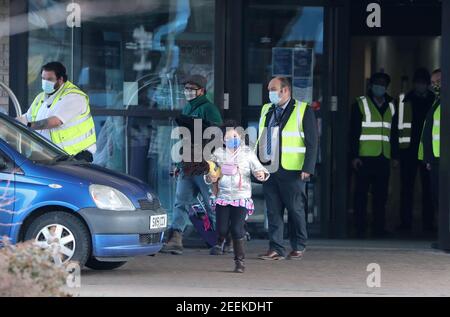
[{"x": 234, "y": 194}]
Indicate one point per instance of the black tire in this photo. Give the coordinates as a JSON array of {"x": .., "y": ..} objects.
[
  {"x": 71, "y": 222},
  {"x": 95, "y": 264}
]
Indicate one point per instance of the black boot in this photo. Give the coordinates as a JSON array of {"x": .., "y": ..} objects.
[{"x": 239, "y": 255}]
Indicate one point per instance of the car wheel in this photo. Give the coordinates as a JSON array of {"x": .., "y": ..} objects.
[
  {"x": 64, "y": 232},
  {"x": 95, "y": 264}
]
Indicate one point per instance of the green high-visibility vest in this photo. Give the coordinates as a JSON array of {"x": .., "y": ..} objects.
[
  {"x": 404, "y": 123},
  {"x": 375, "y": 129},
  {"x": 293, "y": 147},
  {"x": 75, "y": 135},
  {"x": 435, "y": 134}
]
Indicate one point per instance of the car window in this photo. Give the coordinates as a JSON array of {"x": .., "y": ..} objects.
[
  {"x": 27, "y": 143},
  {"x": 6, "y": 165}
]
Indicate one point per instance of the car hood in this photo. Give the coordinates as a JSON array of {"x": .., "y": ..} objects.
[{"x": 85, "y": 174}]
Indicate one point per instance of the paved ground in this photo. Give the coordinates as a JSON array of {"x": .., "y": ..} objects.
[{"x": 330, "y": 268}]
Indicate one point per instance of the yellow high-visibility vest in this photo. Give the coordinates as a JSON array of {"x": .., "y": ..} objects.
[
  {"x": 375, "y": 129},
  {"x": 293, "y": 147},
  {"x": 75, "y": 135},
  {"x": 436, "y": 133}
]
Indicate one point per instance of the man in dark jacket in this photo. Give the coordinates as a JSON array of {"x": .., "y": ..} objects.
[
  {"x": 429, "y": 150},
  {"x": 189, "y": 186},
  {"x": 373, "y": 142},
  {"x": 413, "y": 109},
  {"x": 288, "y": 141}
]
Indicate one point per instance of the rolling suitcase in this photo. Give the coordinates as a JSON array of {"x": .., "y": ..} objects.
[{"x": 201, "y": 222}]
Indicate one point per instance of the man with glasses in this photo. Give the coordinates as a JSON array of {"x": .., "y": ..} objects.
[{"x": 189, "y": 186}]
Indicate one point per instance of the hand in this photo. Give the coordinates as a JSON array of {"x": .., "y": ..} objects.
[
  {"x": 357, "y": 163},
  {"x": 395, "y": 163},
  {"x": 428, "y": 166},
  {"x": 213, "y": 179},
  {"x": 22, "y": 119},
  {"x": 304, "y": 176},
  {"x": 260, "y": 175}
]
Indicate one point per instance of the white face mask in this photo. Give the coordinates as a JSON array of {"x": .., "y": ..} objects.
[{"x": 190, "y": 94}]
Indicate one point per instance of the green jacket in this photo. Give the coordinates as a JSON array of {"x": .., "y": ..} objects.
[{"x": 204, "y": 109}]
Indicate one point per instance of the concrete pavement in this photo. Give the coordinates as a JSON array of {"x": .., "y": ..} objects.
[{"x": 330, "y": 268}]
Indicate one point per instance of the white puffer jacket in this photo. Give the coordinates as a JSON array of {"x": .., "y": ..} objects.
[{"x": 238, "y": 186}]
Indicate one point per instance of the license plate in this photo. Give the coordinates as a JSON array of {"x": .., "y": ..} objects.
[{"x": 158, "y": 221}]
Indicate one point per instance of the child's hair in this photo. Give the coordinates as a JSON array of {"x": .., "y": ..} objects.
[{"x": 230, "y": 124}]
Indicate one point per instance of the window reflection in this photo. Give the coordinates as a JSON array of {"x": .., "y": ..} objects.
[
  {"x": 128, "y": 55},
  {"x": 149, "y": 155},
  {"x": 110, "y": 142},
  {"x": 146, "y": 56},
  {"x": 49, "y": 39},
  {"x": 284, "y": 38}
]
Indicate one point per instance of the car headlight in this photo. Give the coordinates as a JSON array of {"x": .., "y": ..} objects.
[{"x": 109, "y": 198}]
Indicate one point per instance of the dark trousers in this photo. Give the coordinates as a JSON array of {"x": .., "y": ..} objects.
[
  {"x": 84, "y": 156},
  {"x": 408, "y": 171},
  {"x": 373, "y": 174},
  {"x": 288, "y": 192},
  {"x": 230, "y": 219}
]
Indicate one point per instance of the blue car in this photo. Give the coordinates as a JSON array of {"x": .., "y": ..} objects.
[{"x": 90, "y": 214}]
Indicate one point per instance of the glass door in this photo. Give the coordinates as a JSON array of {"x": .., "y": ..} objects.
[{"x": 285, "y": 38}]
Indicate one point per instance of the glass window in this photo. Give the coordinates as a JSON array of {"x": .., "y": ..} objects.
[
  {"x": 110, "y": 131},
  {"x": 29, "y": 144},
  {"x": 141, "y": 59},
  {"x": 49, "y": 39},
  {"x": 149, "y": 155},
  {"x": 128, "y": 55},
  {"x": 283, "y": 38}
]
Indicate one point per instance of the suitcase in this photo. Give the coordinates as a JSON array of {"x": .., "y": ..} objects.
[{"x": 200, "y": 221}]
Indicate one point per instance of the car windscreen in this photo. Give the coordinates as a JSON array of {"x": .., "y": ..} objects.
[{"x": 28, "y": 143}]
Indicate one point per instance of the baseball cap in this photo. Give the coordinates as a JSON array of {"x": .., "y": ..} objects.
[{"x": 197, "y": 80}]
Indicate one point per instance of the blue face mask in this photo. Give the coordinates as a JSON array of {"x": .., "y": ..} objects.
[
  {"x": 274, "y": 97},
  {"x": 378, "y": 90},
  {"x": 48, "y": 86},
  {"x": 233, "y": 143}
]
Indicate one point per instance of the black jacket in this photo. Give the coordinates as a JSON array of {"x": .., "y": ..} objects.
[
  {"x": 355, "y": 128},
  {"x": 420, "y": 105},
  {"x": 311, "y": 137}
]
